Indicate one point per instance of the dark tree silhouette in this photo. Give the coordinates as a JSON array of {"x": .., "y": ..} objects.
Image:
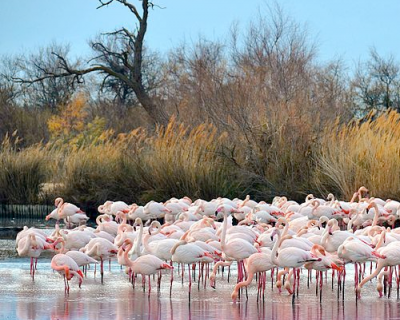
[{"x": 119, "y": 58}]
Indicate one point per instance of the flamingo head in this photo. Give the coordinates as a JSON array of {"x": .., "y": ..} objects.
[
  {"x": 212, "y": 281},
  {"x": 334, "y": 266},
  {"x": 279, "y": 285},
  {"x": 80, "y": 275},
  {"x": 274, "y": 232},
  {"x": 379, "y": 288},
  {"x": 234, "y": 296},
  {"x": 57, "y": 201}
]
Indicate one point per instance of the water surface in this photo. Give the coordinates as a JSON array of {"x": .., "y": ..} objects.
[{"x": 44, "y": 298}]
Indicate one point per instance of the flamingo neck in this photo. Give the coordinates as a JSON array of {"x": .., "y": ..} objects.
[
  {"x": 224, "y": 227},
  {"x": 284, "y": 233},
  {"x": 127, "y": 250},
  {"x": 179, "y": 243},
  {"x": 381, "y": 239},
  {"x": 274, "y": 255},
  {"x": 376, "y": 215},
  {"x": 139, "y": 240}
]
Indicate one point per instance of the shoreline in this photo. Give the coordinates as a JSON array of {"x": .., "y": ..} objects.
[{"x": 8, "y": 233}]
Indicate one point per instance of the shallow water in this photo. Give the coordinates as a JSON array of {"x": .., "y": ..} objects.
[{"x": 44, "y": 298}]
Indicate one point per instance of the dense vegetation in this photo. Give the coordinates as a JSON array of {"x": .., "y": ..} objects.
[{"x": 254, "y": 114}]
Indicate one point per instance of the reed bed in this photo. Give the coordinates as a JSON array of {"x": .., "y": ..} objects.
[
  {"x": 181, "y": 160},
  {"x": 138, "y": 166},
  {"x": 363, "y": 152},
  {"x": 22, "y": 172}
]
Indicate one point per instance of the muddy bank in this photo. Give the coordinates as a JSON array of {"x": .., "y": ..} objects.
[{"x": 9, "y": 232}]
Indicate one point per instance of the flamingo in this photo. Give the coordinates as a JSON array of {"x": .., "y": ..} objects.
[
  {"x": 67, "y": 267},
  {"x": 76, "y": 219},
  {"x": 189, "y": 253},
  {"x": 74, "y": 240},
  {"x": 105, "y": 223},
  {"x": 155, "y": 210},
  {"x": 81, "y": 258},
  {"x": 102, "y": 249},
  {"x": 236, "y": 249},
  {"x": 32, "y": 246},
  {"x": 113, "y": 207},
  {"x": 256, "y": 263},
  {"x": 390, "y": 256},
  {"x": 66, "y": 209},
  {"x": 145, "y": 265},
  {"x": 327, "y": 261},
  {"x": 291, "y": 257}
]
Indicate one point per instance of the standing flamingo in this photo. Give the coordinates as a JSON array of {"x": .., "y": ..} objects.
[
  {"x": 145, "y": 265},
  {"x": 32, "y": 246},
  {"x": 257, "y": 263},
  {"x": 189, "y": 253},
  {"x": 66, "y": 209},
  {"x": 290, "y": 257},
  {"x": 236, "y": 249},
  {"x": 67, "y": 267},
  {"x": 102, "y": 249},
  {"x": 390, "y": 256}
]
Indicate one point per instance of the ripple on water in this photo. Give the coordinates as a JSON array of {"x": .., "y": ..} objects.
[{"x": 22, "y": 298}]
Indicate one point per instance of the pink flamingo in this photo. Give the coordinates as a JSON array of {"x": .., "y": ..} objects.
[
  {"x": 327, "y": 261},
  {"x": 259, "y": 262},
  {"x": 32, "y": 246},
  {"x": 188, "y": 253},
  {"x": 236, "y": 249},
  {"x": 67, "y": 267},
  {"x": 291, "y": 257},
  {"x": 144, "y": 265},
  {"x": 81, "y": 258},
  {"x": 66, "y": 209},
  {"x": 390, "y": 256},
  {"x": 102, "y": 249}
]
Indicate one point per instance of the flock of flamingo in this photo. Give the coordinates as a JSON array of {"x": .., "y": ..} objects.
[{"x": 286, "y": 238}]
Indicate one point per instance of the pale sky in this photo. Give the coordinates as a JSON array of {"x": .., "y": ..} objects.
[{"x": 341, "y": 28}]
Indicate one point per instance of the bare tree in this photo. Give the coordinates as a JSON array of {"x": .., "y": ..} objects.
[
  {"x": 377, "y": 84},
  {"x": 50, "y": 92},
  {"x": 119, "y": 58},
  {"x": 9, "y": 90}
]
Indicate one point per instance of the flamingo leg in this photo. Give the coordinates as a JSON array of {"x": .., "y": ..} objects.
[
  {"x": 172, "y": 279},
  {"x": 101, "y": 269},
  {"x": 397, "y": 280},
  {"x": 149, "y": 285},
  {"x": 321, "y": 281},
  {"x": 199, "y": 277},
  {"x": 190, "y": 282}
]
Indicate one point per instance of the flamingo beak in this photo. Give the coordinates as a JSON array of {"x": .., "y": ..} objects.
[
  {"x": 80, "y": 273},
  {"x": 67, "y": 274},
  {"x": 336, "y": 267}
]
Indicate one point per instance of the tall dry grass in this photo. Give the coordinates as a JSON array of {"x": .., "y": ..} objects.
[
  {"x": 364, "y": 152},
  {"x": 22, "y": 172},
  {"x": 139, "y": 166},
  {"x": 182, "y": 161}
]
